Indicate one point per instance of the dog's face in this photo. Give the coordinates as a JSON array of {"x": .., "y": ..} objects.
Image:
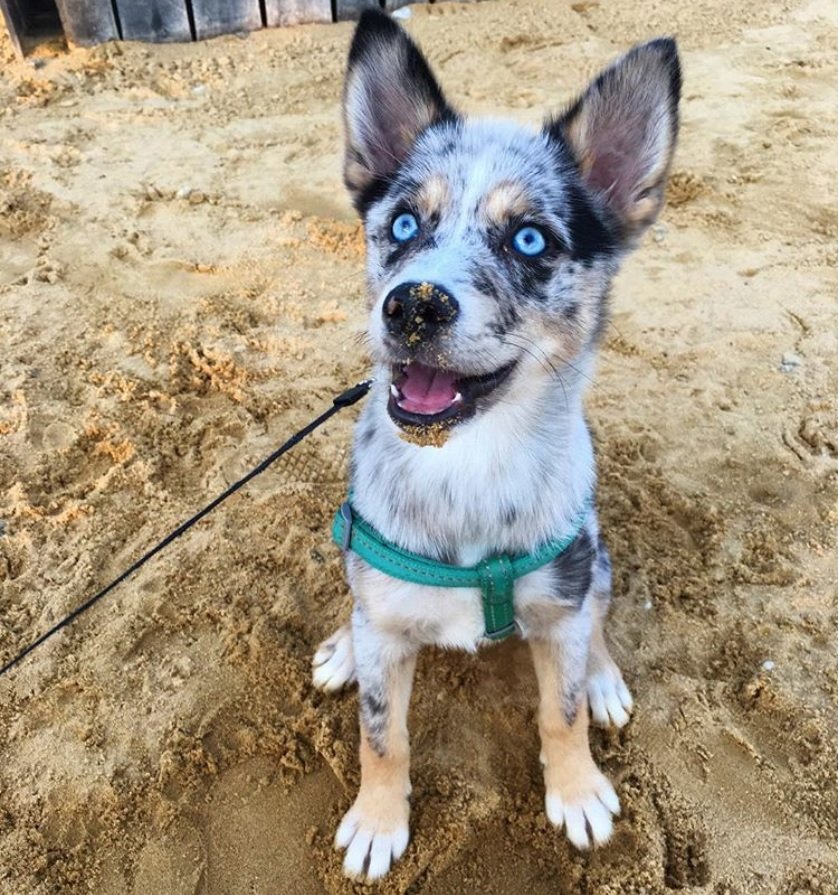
[{"x": 490, "y": 246}]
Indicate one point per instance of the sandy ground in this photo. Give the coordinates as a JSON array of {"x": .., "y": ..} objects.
[{"x": 180, "y": 288}]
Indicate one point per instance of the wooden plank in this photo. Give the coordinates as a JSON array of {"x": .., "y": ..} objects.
[
  {"x": 154, "y": 20},
  {"x": 213, "y": 17},
  {"x": 88, "y": 22},
  {"x": 15, "y": 23},
  {"x": 297, "y": 12},
  {"x": 352, "y": 9}
]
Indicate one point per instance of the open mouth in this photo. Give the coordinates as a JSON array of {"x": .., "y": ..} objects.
[{"x": 428, "y": 396}]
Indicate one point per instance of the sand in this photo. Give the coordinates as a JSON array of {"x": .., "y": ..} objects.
[{"x": 180, "y": 289}]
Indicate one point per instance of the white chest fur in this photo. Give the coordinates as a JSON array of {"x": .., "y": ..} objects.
[
  {"x": 505, "y": 482},
  {"x": 442, "y": 616}
]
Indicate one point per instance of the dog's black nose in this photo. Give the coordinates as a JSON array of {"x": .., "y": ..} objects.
[{"x": 417, "y": 311}]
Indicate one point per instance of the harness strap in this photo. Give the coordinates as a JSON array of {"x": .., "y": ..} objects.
[
  {"x": 497, "y": 580},
  {"x": 495, "y": 575}
]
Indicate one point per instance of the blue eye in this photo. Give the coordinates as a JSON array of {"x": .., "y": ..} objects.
[
  {"x": 404, "y": 227},
  {"x": 529, "y": 241}
]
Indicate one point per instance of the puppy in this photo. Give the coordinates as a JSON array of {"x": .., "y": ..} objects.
[{"x": 490, "y": 252}]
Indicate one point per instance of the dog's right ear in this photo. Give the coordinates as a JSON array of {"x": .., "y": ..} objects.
[{"x": 390, "y": 98}]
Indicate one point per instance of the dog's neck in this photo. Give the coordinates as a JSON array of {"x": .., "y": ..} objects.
[{"x": 504, "y": 481}]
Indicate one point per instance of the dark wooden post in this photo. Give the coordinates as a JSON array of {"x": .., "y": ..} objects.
[
  {"x": 154, "y": 20},
  {"x": 213, "y": 17},
  {"x": 297, "y": 12},
  {"x": 15, "y": 23},
  {"x": 88, "y": 22},
  {"x": 352, "y": 9}
]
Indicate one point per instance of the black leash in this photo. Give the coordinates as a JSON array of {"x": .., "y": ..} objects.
[{"x": 345, "y": 399}]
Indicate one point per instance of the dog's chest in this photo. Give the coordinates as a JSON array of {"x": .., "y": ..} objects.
[
  {"x": 445, "y": 616},
  {"x": 492, "y": 490}
]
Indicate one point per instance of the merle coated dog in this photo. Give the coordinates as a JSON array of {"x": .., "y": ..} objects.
[{"x": 490, "y": 252}]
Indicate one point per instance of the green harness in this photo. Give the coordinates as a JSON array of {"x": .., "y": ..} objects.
[{"x": 495, "y": 575}]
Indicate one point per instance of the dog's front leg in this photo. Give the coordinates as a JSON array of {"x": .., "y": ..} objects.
[
  {"x": 375, "y": 830},
  {"x": 577, "y": 795}
]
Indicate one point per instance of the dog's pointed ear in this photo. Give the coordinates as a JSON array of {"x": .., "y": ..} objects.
[
  {"x": 622, "y": 132},
  {"x": 390, "y": 98}
]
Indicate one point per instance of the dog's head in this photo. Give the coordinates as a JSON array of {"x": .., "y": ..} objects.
[{"x": 491, "y": 246}]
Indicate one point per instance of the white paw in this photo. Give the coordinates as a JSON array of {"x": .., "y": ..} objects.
[
  {"x": 587, "y": 818},
  {"x": 609, "y": 698},
  {"x": 370, "y": 851},
  {"x": 333, "y": 665}
]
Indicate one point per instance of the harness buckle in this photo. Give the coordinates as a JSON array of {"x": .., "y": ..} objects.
[
  {"x": 346, "y": 515},
  {"x": 504, "y": 632}
]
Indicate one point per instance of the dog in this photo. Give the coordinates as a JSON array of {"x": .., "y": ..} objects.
[{"x": 490, "y": 252}]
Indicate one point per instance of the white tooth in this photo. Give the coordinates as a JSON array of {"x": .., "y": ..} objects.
[
  {"x": 394, "y": 391},
  {"x": 457, "y": 398}
]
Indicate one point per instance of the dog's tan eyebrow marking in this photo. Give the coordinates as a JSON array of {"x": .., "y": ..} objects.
[
  {"x": 506, "y": 201},
  {"x": 433, "y": 196}
]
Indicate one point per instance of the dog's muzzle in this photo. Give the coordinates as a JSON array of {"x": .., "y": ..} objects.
[
  {"x": 416, "y": 312},
  {"x": 427, "y": 394}
]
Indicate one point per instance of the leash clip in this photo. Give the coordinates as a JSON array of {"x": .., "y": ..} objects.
[{"x": 346, "y": 515}]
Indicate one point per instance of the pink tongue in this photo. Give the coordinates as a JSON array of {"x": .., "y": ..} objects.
[{"x": 425, "y": 390}]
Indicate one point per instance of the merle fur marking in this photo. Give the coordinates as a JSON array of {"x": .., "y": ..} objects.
[
  {"x": 372, "y": 672},
  {"x": 374, "y": 716},
  {"x": 573, "y": 569},
  {"x": 602, "y": 571},
  {"x": 571, "y": 695},
  {"x": 592, "y": 233}
]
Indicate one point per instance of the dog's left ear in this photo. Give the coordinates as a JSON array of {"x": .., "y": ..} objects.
[
  {"x": 622, "y": 132},
  {"x": 390, "y": 98}
]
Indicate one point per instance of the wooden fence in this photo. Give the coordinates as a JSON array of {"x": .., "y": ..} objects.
[{"x": 88, "y": 22}]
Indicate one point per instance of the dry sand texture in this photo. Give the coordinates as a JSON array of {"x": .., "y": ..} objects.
[{"x": 180, "y": 288}]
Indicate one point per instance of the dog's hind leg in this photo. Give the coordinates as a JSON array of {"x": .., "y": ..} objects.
[
  {"x": 608, "y": 695},
  {"x": 374, "y": 831},
  {"x": 577, "y": 795},
  {"x": 334, "y": 664}
]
